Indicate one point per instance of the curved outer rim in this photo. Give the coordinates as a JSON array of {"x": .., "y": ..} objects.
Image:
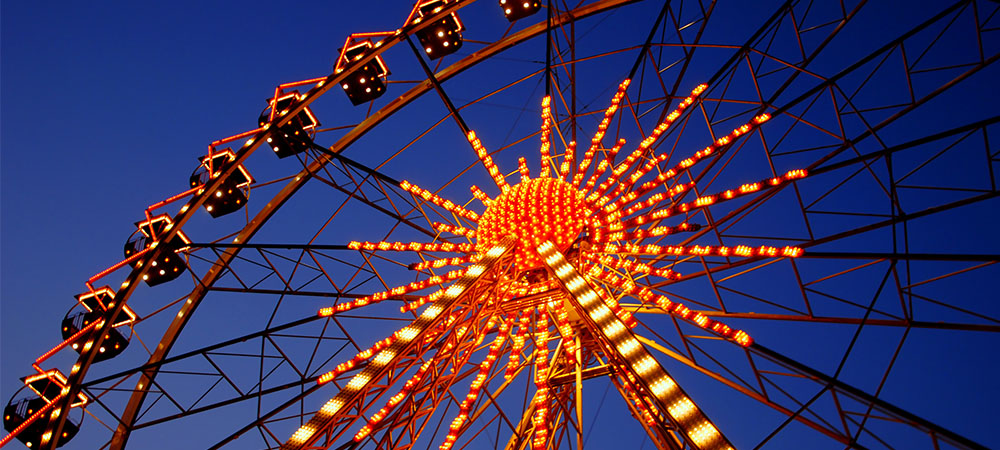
[{"x": 140, "y": 392}]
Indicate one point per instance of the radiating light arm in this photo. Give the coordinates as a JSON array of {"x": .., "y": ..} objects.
[
  {"x": 655, "y": 198},
  {"x": 442, "y": 262},
  {"x": 626, "y": 185},
  {"x": 602, "y": 128},
  {"x": 532, "y": 289},
  {"x": 541, "y": 400},
  {"x": 480, "y": 195},
  {"x": 522, "y": 168},
  {"x": 394, "y": 292},
  {"x": 558, "y": 313},
  {"x": 445, "y": 352},
  {"x": 487, "y": 160},
  {"x": 603, "y": 166},
  {"x": 569, "y": 160},
  {"x": 421, "y": 301},
  {"x": 628, "y": 287},
  {"x": 357, "y": 359},
  {"x": 545, "y": 149},
  {"x": 410, "y": 246},
  {"x": 405, "y": 340},
  {"x": 408, "y": 387},
  {"x": 712, "y": 199},
  {"x": 702, "y": 250},
  {"x": 647, "y": 143},
  {"x": 648, "y": 414},
  {"x": 685, "y": 164},
  {"x": 680, "y": 168},
  {"x": 477, "y": 384},
  {"x": 633, "y": 356},
  {"x": 455, "y": 229},
  {"x": 581, "y": 171},
  {"x": 448, "y": 205},
  {"x": 517, "y": 343},
  {"x": 640, "y": 234},
  {"x": 723, "y": 141},
  {"x": 632, "y": 266}
]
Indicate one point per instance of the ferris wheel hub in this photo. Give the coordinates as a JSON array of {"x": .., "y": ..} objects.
[{"x": 533, "y": 211}]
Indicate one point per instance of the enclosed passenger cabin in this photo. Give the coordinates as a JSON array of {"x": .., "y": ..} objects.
[
  {"x": 293, "y": 137},
  {"x": 519, "y": 9},
  {"x": 95, "y": 304},
  {"x": 47, "y": 386},
  {"x": 229, "y": 196},
  {"x": 363, "y": 83},
  {"x": 169, "y": 265},
  {"x": 442, "y": 38},
  {"x": 18, "y": 411}
]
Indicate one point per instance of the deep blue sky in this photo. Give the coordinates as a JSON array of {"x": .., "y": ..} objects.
[{"x": 106, "y": 105}]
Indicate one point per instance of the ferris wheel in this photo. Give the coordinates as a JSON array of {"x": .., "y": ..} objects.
[{"x": 551, "y": 225}]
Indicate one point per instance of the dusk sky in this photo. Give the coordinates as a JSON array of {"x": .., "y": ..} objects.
[{"x": 107, "y": 106}]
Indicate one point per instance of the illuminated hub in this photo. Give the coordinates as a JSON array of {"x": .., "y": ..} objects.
[
  {"x": 534, "y": 211},
  {"x": 614, "y": 211},
  {"x": 293, "y": 137},
  {"x": 519, "y": 9}
]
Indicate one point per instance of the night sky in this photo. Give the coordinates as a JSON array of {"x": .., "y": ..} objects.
[{"x": 106, "y": 107}]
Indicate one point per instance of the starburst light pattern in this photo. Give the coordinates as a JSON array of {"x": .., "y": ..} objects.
[{"x": 583, "y": 233}]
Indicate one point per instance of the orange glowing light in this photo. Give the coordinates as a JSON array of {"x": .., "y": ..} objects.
[
  {"x": 539, "y": 210},
  {"x": 546, "y": 134},
  {"x": 57, "y": 378},
  {"x": 593, "y": 204},
  {"x": 155, "y": 226}
]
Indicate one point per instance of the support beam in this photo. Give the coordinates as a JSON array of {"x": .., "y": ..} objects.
[
  {"x": 580, "y": 375},
  {"x": 227, "y": 245},
  {"x": 93, "y": 383},
  {"x": 407, "y": 339},
  {"x": 138, "y": 397},
  {"x": 881, "y": 405},
  {"x": 656, "y": 388},
  {"x": 904, "y": 323},
  {"x": 903, "y": 256}
]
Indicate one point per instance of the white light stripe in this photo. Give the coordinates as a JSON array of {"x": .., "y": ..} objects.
[
  {"x": 331, "y": 407},
  {"x": 303, "y": 433},
  {"x": 614, "y": 329},
  {"x": 384, "y": 357},
  {"x": 432, "y": 311},
  {"x": 682, "y": 410},
  {"x": 403, "y": 337},
  {"x": 358, "y": 381},
  {"x": 407, "y": 334},
  {"x": 663, "y": 387},
  {"x": 628, "y": 347}
]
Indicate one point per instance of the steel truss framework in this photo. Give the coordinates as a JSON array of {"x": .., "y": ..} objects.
[{"x": 872, "y": 198}]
